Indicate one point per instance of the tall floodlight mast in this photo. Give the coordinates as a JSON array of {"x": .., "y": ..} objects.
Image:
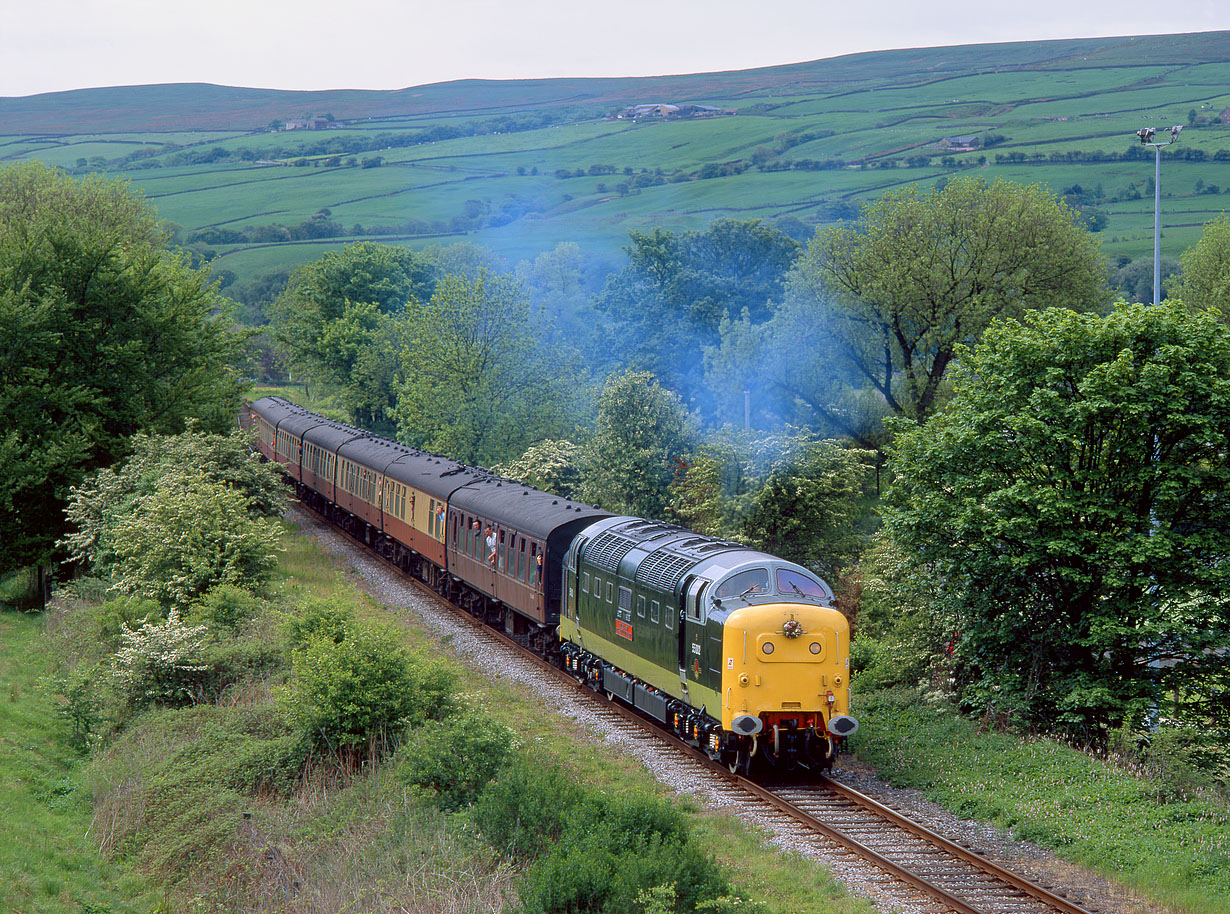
[{"x": 1146, "y": 135}]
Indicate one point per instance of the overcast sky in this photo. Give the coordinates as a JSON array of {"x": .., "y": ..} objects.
[{"x": 51, "y": 45}]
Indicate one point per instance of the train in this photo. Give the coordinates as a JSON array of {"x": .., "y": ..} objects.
[{"x": 740, "y": 653}]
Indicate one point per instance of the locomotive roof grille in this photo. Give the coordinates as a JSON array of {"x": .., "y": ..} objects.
[
  {"x": 607, "y": 549},
  {"x": 663, "y": 570}
]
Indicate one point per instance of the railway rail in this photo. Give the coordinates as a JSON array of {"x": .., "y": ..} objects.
[{"x": 951, "y": 877}]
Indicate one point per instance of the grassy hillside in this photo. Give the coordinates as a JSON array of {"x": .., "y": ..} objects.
[{"x": 522, "y": 165}]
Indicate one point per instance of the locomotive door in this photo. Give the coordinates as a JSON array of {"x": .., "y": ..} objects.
[{"x": 691, "y": 631}]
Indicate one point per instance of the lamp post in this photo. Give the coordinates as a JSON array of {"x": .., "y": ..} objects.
[{"x": 1146, "y": 138}]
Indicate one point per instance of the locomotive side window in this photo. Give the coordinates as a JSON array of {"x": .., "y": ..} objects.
[
  {"x": 655, "y": 612},
  {"x": 609, "y": 593},
  {"x": 585, "y": 582},
  {"x": 640, "y": 607}
]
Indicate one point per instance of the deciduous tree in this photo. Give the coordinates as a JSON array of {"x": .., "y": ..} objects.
[
  {"x": 1205, "y": 280},
  {"x": 1073, "y": 501},
  {"x": 922, "y": 272},
  {"x": 643, "y": 436},
  {"x": 105, "y": 333},
  {"x": 336, "y": 322},
  {"x": 670, "y": 300},
  {"x": 476, "y": 384}
]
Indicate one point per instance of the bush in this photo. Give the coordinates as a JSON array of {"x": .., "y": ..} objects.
[
  {"x": 187, "y": 537},
  {"x": 616, "y": 851},
  {"x": 455, "y": 758},
  {"x": 227, "y": 606},
  {"x": 248, "y": 659},
  {"x": 321, "y": 620},
  {"x": 524, "y": 810},
  {"x": 362, "y": 691},
  {"x": 115, "y": 614},
  {"x": 161, "y": 662}
]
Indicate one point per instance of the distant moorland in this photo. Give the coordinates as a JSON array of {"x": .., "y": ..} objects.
[{"x": 519, "y": 166}]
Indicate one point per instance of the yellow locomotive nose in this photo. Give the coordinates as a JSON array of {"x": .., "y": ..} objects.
[{"x": 786, "y": 662}]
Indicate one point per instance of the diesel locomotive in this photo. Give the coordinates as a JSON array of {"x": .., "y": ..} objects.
[{"x": 739, "y": 652}]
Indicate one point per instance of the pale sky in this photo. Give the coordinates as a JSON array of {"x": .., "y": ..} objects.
[{"x": 52, "y": 45}]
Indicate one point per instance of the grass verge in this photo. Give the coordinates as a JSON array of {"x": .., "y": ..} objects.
[
  {"x": 1173, "y": 849},
  {"x": 48, "y": 859}
]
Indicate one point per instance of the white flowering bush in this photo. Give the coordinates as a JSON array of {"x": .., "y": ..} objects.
[
  {"x": 107, "y": 496},
  {"x": 161, "y": 662},
  {"x": 187, "y": 537}
]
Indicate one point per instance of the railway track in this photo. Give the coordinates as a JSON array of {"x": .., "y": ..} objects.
[{"x": 927, "y": 871}]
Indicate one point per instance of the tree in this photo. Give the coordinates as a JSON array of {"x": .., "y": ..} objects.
[
  {"x": 1073, "y": 502},
  {"x": 105, "y": 334},
  {"x": 922, "y": 272},
  {"x": 188, "y": 536},
  {"x": 113, "y": 492},
  {"x": 643, "y": 436},
  {"x": 336, "y": 321},
  {"x": 807, "y": 509},
  {"x": 553, "y": 466},
  {"x": 670, "y": 300},
  {"x": 1134, "y": 279},
  {"x": 1205, "y": 280},
  {"x": 476, "y": 385}
]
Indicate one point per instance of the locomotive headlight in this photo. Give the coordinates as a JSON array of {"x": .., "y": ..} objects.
[
  {"x": 815, "y": 647},
  {"x": 767, "y": 647}
]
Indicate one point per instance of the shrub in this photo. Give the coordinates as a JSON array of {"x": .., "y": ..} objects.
[
  {"x": 113, "y": 615},
  {"x": 226, "y": 606},
  {"x": 456, "y": 758},
  {"x": 357, "y": 692},
  {"x": 321, "y": 620},
  {"x": 524, "y": 810},
  {"x": 161, "y": 662},
  {"x": 612, "y": 852},
  {"x": 187, "y": 537}
]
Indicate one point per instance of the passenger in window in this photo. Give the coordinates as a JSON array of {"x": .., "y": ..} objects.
[
  {"x": 490, "y": 546},
  {"x": 538, "y": 568}
]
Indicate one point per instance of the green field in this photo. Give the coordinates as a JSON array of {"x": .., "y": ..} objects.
[{"x": 810, "y": 141}]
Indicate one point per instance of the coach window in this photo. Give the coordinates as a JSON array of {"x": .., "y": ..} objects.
[
  {"x": 585, "y": 582},
  {"x": 654, "y": 611},
  {"x": 640, "y": 607},
  {"x": 521, "y": 559},
  {"x": 503, "y": 551},
  {"x": 533, "y": 566}
]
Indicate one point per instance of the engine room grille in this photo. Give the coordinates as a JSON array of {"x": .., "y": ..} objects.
[
  {"x": 607, "y": 549},
  {"x": 663, "y": 570}
]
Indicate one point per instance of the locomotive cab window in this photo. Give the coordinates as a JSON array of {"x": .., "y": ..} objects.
[
  {"x": 744, "y": 584},
  {"x": 790, "y": 581}
]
